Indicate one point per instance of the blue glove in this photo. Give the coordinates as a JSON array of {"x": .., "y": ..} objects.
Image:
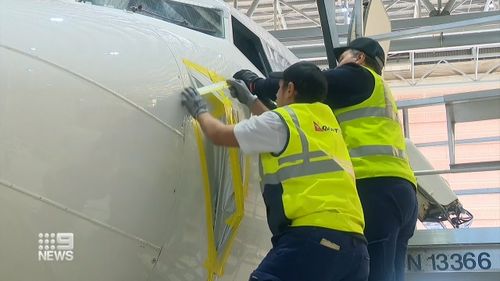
[{"x": 193, "y": 102}]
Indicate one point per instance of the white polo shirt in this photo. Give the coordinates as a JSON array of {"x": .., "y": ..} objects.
[{"x": 264, "y": 133}]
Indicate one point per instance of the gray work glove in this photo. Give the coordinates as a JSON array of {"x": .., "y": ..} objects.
[
  {"x": 240, "y": 91},
  {"x": 193, "y": 102}
]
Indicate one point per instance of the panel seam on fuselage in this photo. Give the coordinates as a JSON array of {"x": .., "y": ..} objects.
[
  {"x": 78, "y": 214},
  {"x": 95, "y": 83}
]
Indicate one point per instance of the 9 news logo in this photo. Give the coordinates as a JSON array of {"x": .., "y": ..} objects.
[{"x": 55, "y": 246}]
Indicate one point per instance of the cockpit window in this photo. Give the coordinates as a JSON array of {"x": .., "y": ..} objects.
[{"x": 203, "y": 19}]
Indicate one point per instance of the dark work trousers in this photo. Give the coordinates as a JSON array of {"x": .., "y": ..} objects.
[
  {"x": 314, "y": 254},
  {"x": 390, "y": 209}
]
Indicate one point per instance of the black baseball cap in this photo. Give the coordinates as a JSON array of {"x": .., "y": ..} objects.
[
  {"x": 366, "y": 45},
  {"x": 299, "y": 71},
  {"x": 306, "y": 76}
]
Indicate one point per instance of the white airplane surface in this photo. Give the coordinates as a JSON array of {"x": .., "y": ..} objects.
[{"x": 103, "y": 176}]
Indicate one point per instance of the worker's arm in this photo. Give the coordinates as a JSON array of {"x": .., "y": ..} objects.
[
  {"x": 216, "y": 131},
  {"x": 258, "y": 108},
  {"x": 240, "y": 91},
  {"x": 264, "y": 133},
  {"x": 264, "y": 88},
  {"x": 348, "y": 85},
  {"x": 260, "y": 134}
]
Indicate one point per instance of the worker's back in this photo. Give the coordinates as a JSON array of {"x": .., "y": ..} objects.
[
  {"x": 374, "y": 136},
  {"x": 311, "y": 183}
]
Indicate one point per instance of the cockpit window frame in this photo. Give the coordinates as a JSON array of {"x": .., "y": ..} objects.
[{"x": 195, "y": 17}]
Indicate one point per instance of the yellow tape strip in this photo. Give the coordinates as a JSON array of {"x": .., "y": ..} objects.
[
  {"x": 246, "y": 176},
  {"x": 216, "y": 261},
  {"x": 235, "y": 220},
  {"x": 219, "y": 100},
  {"x": 213, "y": 88},
  {"x": 212, "y": 253}
]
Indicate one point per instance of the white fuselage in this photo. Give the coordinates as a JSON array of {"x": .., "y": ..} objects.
[{"x": 94, "y": 142}]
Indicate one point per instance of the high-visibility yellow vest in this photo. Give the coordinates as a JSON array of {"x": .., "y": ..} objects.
[
  {"x": 311, "y": 182},
  {"x": 374, "y": 135}
]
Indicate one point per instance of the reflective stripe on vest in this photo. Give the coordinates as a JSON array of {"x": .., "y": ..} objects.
[
  {"x": 311, "y": 182},
  {"x": 387, "y": 111},
  {"x": 306, "y": 167},
  {"x": 368, "y": 150},
  {"x": 373, "y": 135},
  {"x": 301, "y": 156}
]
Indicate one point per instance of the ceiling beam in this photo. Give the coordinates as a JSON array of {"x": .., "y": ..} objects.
[
  {"x": 487, "y": 4},
  {"x": 252, "y": 8},
  {"x": 326, "y": 9},
  {"x": 436, "y": 28},
  {"x": 414, "y": 23},
  {"x": 432, "y": 10},
  {"x": 312, "y": 33},
  {"x": 404, "y": 45},
  {"x": 448, "y": 8},
  {"x": 445, "y": 41},
  {"x": 300, "y": 12},
  {"x": 417, "y": 9},
  {"x": 280, "y": 15},
  {"x": 357, "y": 25}
]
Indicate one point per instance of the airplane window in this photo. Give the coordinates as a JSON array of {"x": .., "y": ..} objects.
[
  {"x": 251, "y": 46},
  {"x": 206, "y": 20},
  {"x": 117, "y": 4},
  {"x": 202, "y": 19},
  {"x": 220, "y": 177}
]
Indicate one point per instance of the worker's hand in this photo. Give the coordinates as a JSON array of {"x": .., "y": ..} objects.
[
  {"x": 193, "y": 102},
  {"x": 240, "y": 91},
  {"x": 248, "y": 77}
]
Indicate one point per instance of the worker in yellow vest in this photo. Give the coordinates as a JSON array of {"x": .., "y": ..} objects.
[
  {"x": 385, "y": 181},
  {"x": 367, "y": 113},
  {"x": 307, "y": 179}
]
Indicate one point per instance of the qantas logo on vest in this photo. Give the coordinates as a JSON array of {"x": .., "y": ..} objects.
[{"x": 324, "y": 128}]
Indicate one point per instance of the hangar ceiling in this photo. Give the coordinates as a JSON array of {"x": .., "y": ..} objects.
[
  {"x": 304, "y": 13},
  {"x": 429, "y": 38}
]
